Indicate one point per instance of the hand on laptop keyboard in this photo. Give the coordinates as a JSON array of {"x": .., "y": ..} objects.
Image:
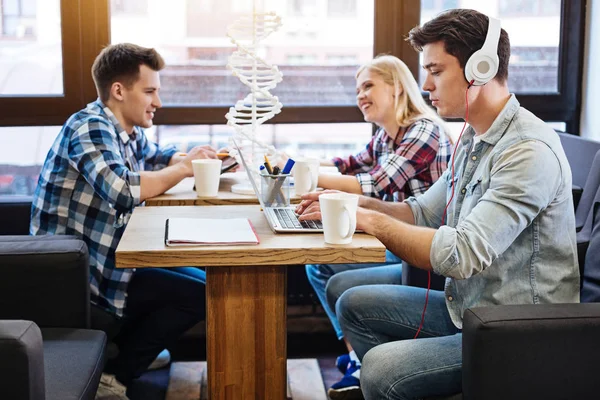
[{"x": 288, "y": 219}]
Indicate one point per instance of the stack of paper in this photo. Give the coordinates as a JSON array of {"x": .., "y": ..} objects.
[{"x": 207, "y": 231}]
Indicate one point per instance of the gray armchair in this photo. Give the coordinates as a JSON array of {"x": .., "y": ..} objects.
[
  {"x": 548, "y": 351},
  {"x": 47, "y": 350}
]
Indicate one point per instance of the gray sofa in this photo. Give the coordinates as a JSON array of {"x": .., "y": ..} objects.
[{"x": 47, "y": 350}]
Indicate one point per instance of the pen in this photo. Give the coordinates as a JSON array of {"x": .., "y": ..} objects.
[
  {"x": 276, "y": 170},
  {"x": 288, "y": 166},
  {"x": 268, "y": 165},
  {"x": 220, "y": 155}
]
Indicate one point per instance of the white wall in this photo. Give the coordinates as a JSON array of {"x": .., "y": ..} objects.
[{"x": 590, "y": 110}]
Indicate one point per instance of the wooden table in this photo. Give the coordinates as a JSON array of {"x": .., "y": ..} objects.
[
  {"x": 245, "y": 293},
  {"x": 183, "y": 194}
]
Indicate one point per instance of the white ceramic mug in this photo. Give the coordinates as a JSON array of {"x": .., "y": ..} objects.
[
  {"x": 207, "y": 174},
  {"x": 306, "y": 175},
  {"x": 338, "y": 214}
]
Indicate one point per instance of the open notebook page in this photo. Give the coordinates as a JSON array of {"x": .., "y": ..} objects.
[{"x": 209, "y": 231}]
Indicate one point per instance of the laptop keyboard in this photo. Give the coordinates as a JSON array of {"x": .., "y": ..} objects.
[{"x": 288, "y": 219}]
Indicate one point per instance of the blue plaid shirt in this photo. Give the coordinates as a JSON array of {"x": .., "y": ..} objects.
[{"x": 89, "y": 186}]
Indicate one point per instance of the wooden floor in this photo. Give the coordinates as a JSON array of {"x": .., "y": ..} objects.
[{"x": 308, "y": 379}]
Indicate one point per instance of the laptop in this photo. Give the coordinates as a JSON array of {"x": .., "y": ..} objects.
[{"x": 280, "y": 219}]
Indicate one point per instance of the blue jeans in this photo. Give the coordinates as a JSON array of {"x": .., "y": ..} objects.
[
  {"x": 162, "y": 303},
  {"x": 319, "y": 276},
  {"x": 380, "y": 321}
]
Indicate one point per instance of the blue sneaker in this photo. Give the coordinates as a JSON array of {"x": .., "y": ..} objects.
[
  {"x": 349, "y": 387},
  {"x": 342, "y": 363}
]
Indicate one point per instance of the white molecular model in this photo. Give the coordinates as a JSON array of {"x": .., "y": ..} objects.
[{"x": 259, "y": 105}]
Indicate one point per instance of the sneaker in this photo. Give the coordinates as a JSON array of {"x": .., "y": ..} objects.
[
  {"x": 111, "y": 389},
  {"x": 162, "y": 360},
  {"x": 342, "y": 363},
  {"x": 349, "y": 387}
]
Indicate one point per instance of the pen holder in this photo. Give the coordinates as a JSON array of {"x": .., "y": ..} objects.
[{"x": 275, "y": 190}]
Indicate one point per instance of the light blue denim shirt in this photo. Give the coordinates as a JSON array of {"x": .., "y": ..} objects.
[{"x": 510, "y": 233}]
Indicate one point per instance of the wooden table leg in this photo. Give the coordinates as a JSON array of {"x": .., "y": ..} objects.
[{"x": 246, "y": 338}]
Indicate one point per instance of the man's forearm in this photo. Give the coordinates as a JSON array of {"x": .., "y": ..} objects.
[
  {"x": 345, "y": 183},
  {"x": 177, "y": 157},
  {"x": 399, "y": 211},
  {"x": 154, "y": 183},
  {"x": 409, "y": 242}
]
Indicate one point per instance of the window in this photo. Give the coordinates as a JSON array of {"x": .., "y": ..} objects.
[
  {"x": 301, "y": 59},
  {"x": 528, "y": 8},
  {"x": 323, "y": 141},
  {"x": 534, "y": 39},
  {"x": 302, "y": 8},
  {"x": 241, "y": 6},
  {"x": 30, "y": 48},
  {"x": 341, "y": 8},
  {"x": 197, "y": 54},
  {"x": 22, "y": 153},
  {"x": 135, "y": 7},
  {"x": 539, "y": 71},
  {"x": 18, "y": 18},
  {"x": 341, "y": 59},
  {"x": 40, "y": 84},
  {"x": 430, "y": 8},
  {"x": 190, "y": 34}
]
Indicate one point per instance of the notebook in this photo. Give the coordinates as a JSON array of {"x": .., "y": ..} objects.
[
  {"x": 280, "y": 219},
  {"x": 209, "y": 231}
]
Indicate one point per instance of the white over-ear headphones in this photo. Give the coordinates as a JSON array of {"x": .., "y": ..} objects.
[{"x": 482, "y": 66}]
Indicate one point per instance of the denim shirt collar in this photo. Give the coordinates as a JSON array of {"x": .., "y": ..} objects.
[{"x": 499, "y": 126}]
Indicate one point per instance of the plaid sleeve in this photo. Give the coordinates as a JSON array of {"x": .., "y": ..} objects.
[
  {"x": 155, "y": 157},
  {"x": 415, "y": 153},
  {"x": 361, "y": 162},
  {"x": 95, "y": 153}
]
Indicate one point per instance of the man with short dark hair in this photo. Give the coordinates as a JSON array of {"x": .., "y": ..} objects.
[
  {"x": 100, "y": 167},
  {"x": 499, "y": 224}
]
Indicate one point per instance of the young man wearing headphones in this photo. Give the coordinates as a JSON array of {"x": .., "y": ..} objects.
[{"x": 499, "y": 224}]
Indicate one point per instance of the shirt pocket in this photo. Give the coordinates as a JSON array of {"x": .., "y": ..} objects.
[
  {"x": 474, "y": 192},
  {"x": 451, "y": 180}
]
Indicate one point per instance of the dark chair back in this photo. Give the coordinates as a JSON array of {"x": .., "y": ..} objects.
[
  {"x": 583, "y": 212},
  {"x": 15, "y": 213},
  {"x": 579, "y": 152},
  {"x": 590, "y": 291}
]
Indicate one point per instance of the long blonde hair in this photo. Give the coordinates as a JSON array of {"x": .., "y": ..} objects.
[{"x": 409, "y": 104}]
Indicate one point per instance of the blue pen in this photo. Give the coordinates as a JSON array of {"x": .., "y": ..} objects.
[{"x": 288, "y": 166}]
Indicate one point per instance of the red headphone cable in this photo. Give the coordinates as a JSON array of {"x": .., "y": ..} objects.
[{"x": 447, "y": 204}]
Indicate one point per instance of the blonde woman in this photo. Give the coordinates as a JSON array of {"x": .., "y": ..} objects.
[{"x": 409, "y": 152}]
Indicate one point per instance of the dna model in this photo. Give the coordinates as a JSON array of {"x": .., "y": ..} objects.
[{"x": 259, "y": 105}]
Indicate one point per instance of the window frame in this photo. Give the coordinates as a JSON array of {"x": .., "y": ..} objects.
[
  {"x": 565, "y": 104},
  {"x": 80, "y": 33},
  {"x": 85, "y": 27}
]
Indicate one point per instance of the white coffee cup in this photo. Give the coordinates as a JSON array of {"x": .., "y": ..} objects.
[
  {"x": 306, "y": 175},
  {"x": 338, "y": 214},
  {"x": 207, "y": 174}
]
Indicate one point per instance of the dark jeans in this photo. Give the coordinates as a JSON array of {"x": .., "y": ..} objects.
[{"x": 162, "y": 303}]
